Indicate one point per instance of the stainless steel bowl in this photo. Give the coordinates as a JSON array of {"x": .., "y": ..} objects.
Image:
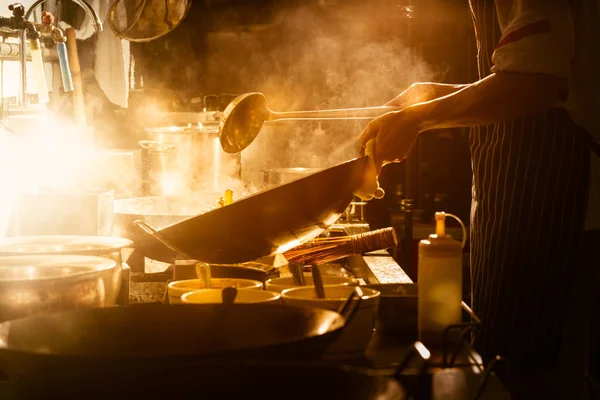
[
  {"x": 61, "y": 245},
  {"x": 39, "y": 284}
]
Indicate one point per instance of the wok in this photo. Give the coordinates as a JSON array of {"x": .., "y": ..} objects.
[
  {"x": 158, "y": 211},
  {"x": 265, "y": 223},
  {"x": 155, "y": 337}
]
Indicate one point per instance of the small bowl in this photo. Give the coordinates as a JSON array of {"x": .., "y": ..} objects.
[
  {"x": 177, "y": 289},
  {"x": 214, "y": 296},
  {"x": 280, "y": 284},
  {"x": 357, "y": 333}
]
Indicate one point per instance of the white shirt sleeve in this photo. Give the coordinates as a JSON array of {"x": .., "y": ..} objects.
[{"x": 538, "y": 38}]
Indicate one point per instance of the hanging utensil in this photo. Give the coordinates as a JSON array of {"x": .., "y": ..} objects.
[
  {"x": 318, "y": 282},
  {"x": 297, "y": 274},
  {"x": 146, "y": 20},
  {"x": 229, "y": 294},
  {"x": 244, "y": 116}
]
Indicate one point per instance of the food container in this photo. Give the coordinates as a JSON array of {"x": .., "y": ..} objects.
[
  {"x": 280, "y": 284},
  {"x": 356, "y": 335},
  {"x": 215, "y": 296},
  {"x": 177, "y": 289},
  {"x": 44, "y": 284}
]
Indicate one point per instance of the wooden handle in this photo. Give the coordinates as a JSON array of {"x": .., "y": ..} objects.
[
  {"x": 78, "y": 102},
  {"x": 374, "y": 240}
]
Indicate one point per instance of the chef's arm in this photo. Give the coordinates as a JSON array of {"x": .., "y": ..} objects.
[
  {"x": 423, "y": 91},
  {"x": 499, "y": 97}
]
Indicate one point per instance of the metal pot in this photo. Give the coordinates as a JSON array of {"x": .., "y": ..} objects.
[
  {"x": 111, "y": 248},
  {"x": 45, "y": 284},
  {"x": 186, "y": 158}
]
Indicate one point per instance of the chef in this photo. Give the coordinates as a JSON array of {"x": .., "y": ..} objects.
[{"x": 535, "y": 216}]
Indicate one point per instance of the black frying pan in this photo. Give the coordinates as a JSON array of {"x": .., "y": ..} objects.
[
  {"x": 151, "y": 337},
  {"x": 265, "y": 223}
]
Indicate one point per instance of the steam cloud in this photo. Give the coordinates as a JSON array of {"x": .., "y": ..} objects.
[{"x": 347, "y": 54}]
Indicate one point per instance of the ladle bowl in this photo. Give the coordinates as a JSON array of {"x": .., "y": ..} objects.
[{"x": 243, "y": 118}]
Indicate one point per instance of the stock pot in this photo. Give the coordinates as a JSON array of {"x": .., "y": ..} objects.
[{"x": 183, "y": 158}]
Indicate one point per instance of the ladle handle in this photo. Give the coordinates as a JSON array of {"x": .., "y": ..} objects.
[
  {"x": 343, "y": 113},
  {"x": 318, "y": 282},
  {"x": 150, "y": 230},
  {"x": 349, "y": 307},
  {"x": 228, "y": 295}
]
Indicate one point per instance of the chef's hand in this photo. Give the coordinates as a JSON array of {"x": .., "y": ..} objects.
[
  {"x": 395, "y": 134},
  {"x": 369, "y": 186}
]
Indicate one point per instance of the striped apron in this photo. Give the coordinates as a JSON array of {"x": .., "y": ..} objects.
[{"x": 530, "y": 184}]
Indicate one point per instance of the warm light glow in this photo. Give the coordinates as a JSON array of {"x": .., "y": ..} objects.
[
  {"x": 288, "y": 246},
  {"x": 172, "y": 184},
  {"x": 30, "y": 272},
  {"x": 425, "y": 354},
  {"x": 44, "y": 152}
]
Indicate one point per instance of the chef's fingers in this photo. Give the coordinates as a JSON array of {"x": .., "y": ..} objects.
[{"x": 369, "y": 132}]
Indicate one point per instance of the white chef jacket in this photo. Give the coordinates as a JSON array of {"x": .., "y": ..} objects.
[{"x": 559, "y": 38}]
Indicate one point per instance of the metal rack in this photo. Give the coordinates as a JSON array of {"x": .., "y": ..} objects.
[{"x": 19, "y": 26}]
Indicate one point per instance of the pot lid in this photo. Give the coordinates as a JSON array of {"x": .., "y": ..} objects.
[{"x": 38, "y": 245}]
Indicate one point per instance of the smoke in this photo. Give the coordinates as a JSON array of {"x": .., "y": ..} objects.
[{"x": 320, "y": 56}]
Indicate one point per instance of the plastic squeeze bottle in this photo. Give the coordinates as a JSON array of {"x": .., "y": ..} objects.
[{"x": 440, "y": 281}]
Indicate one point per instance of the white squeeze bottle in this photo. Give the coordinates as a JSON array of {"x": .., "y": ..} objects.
[{"x": 439, "y": 281}]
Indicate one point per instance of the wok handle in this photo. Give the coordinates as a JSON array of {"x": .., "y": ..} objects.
[
  {"x": 150, "y": 230},
  {"x": 343, "y": 113}
]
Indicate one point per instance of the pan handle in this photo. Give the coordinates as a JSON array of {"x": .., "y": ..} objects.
[
  {"x": 150, "y": 230},
  {"x": 349, "y": 307}
]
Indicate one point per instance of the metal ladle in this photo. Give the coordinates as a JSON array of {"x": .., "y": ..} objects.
[{"x": 244, "y": 116}]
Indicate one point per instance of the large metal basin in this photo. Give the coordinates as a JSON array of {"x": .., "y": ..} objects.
[{"x": 45, "y": 284}]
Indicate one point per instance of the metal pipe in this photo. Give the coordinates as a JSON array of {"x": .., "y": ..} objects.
[
  {"x": 11, "y": 52},
  {"x": 82, "y": 3},
  {"x": 23, "y": 64}
]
